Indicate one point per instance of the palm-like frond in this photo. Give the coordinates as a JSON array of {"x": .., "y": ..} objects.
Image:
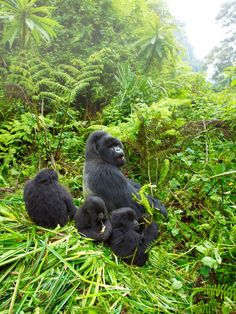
[
  {"x": 25, "y": 21},
  {"x": 156, "y": 41},
  {"x": 38, "y": 80}
]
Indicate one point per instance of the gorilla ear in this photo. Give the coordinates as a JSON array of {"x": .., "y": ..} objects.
[
  {"x": 95, "y": 137},
  {"x": 96, "y": 148},
  {"x": 95, "y": 142}
]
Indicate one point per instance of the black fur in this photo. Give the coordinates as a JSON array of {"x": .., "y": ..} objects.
[
  {"x": 91, "y": 218},
  {"x": 47, "y": 202},
  {"x": 127, "y": 240},
  {"x": 102, "y": 175}
]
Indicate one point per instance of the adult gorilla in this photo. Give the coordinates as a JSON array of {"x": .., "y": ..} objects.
[{"x": 102, "y": 176}]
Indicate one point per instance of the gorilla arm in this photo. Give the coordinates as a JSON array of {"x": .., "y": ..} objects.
[
  {"x": 106, "y": 230},
  {"x": 149, "y": 234},
  {"x": 98, "y": 236},
  {"x": 124, "y": 243},
  {"x": 154, "y": 202},
  {"x": 89, "y": 233},
  {"x": 67, "y": 198}
]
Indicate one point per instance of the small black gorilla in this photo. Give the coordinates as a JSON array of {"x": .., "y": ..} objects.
[
  {"x": 47, "y": 202},
  {"x": 102, "y": 176},
  {"x": 91, "y": 219},
  {"x": 126, "y": 240}
]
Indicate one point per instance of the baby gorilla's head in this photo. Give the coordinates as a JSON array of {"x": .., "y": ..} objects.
[
  {"x": 46, "y": 176},
  {"x": 96, "y": 208},
  {"x": 125, "y": 217}
]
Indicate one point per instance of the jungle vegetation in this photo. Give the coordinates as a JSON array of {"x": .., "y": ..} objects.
[{"x": 70, "y": 67}]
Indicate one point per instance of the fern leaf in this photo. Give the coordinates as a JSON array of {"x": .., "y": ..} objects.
[
  {"x": 54, "y": 85},
  {"x": 51, "y": 95},
  {"x": 71, "y": 69},
  {"x": 93, "y": 67},
  {"x": 39, "y": 74},
  {"x": 66, "y": 77}
]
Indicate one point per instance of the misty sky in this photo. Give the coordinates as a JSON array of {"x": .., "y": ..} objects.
[{"x": 199, "y": 17}]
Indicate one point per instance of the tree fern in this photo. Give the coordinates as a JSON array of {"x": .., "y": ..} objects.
[
  {"x": 39, "y": 81},
  {"x": 53, "y": 85},
  {"x": 52, "y": 96},
  {"x": 39, "y": 85}
]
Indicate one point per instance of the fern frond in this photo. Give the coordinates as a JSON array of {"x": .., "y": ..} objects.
[
  {"x": 51, "y": 96},
  {"x": 88, "y": 74},
  {"x": 18, "y": 68},
  {"x": 35, "y": 68},
  {"x": 219, "y": 291},
  {"x": 17, "y": 76},
  {"x": 54, "y": 85},
  {"x": 31, "y": 63},
  {"x": 39, "y": 74},
  {"x": 222, "y": 291},
  {"x": 93, "y": 67},
  {"x": 89, "y": 79},
  {"x": 204, "y": 308},
  {"x": 77, "y": 89},
  {"x": 23, "y": 84},
  {"x": 66, "y": 77},
  {"x": 70, "y": 68},
  {"x": 39, "y": 80}
]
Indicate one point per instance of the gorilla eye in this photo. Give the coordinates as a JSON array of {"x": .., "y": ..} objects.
[{"x": 110, "y": 143}]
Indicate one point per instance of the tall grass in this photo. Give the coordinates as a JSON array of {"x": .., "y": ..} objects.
[{"x": 58, "y": 271}]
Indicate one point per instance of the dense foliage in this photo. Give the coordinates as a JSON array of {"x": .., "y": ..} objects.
[{"x": 119, "y": 66}]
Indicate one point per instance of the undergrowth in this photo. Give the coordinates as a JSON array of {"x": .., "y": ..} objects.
[
  {"x": 190, "y": 268},
  {"x": 190, "y": 166}
]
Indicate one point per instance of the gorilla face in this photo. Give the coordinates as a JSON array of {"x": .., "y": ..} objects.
[
  {"x": 91, "y": 219},
  {"x": 125, "y": 217},
  {"x": 111, "y": 150},
  {"x": 96, "y": 209}
]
